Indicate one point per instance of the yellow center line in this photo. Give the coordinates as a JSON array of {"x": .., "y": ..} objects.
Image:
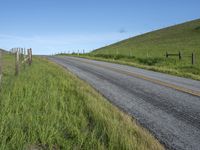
[{"x": 159, "y": 82}]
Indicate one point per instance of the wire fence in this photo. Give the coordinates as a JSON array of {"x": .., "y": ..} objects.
[{"x": 22, "y": 56}]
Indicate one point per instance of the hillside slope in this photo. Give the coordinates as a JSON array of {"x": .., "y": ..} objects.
[{"x": 184, "y": 37}]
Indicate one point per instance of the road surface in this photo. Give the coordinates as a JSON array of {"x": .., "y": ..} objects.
[{"x": 166, "y": 105}]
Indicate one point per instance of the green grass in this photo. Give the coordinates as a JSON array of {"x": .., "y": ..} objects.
[
  {"x": 169, "y": 66},
  {"x": 148, "y": 50},
  {"x": 46, "y": 107}
]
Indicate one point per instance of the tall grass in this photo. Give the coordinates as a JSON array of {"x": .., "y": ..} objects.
[{"x": 46, "y": 107}]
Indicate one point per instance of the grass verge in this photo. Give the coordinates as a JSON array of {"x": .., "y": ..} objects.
[
  {"x": 46, "y": 107},
  {"x": 169, "y": 66}
]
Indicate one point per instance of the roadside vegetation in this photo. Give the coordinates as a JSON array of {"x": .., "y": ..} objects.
[
  {"x": 172, "y": 66},
  {"x": 46, "y": 107},
  {"x": 148, "y": 50}
]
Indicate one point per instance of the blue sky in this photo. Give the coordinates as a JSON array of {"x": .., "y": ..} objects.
[{"x": 51, "y": 26}]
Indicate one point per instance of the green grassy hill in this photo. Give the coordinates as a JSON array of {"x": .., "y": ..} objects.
[
  {"x": 184, "y": 37},
  {"x": 148, "y": 51}
]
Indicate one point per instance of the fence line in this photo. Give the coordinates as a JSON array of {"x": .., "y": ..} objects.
[
  {"x": 180, "y": 56},
  {"x": 22, "y": 58}
]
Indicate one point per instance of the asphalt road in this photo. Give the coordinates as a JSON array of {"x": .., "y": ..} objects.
[{"x": 166, "y": 105}]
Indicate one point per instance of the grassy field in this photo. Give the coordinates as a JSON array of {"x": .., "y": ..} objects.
[
  {"x": 148, "y": 50},
  {"x": 46, "y": 107}
]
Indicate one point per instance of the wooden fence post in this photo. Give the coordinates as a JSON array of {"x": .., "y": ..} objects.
[
  {"x": 24, "y": 54},
  {"x": 1, "y": 68},
  {"x": 31, "y": 55},
  {"x": 20, "y": 54},
  {"x": 167, "y": 54},
  {"x": 193, "y": 58},
  {"x": 180, "y": 55},
  {"x": 17, "y": 62},
  {"x": 28, "y": 53}
]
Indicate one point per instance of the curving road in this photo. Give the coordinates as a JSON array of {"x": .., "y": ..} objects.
[{"x": 168, "y": 106}]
